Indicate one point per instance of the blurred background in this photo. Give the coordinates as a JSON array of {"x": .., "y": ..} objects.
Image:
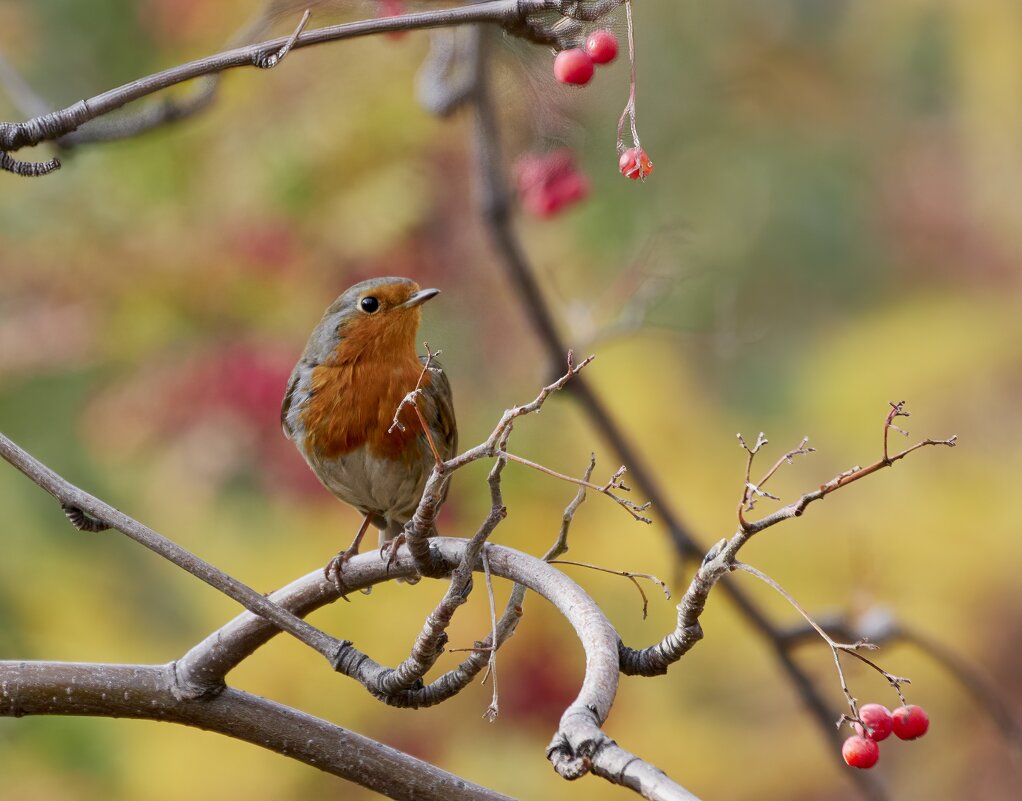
[{"x": 833, "y": 224}]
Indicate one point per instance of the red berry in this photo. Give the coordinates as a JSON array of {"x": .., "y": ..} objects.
[
  {"x": 910, "y": 722},
  {"x": 602, "y": 46},
  {"x": 635, "y": 164},
  {"x": 392, "y": 8},
  {"x": 573, "y": 66},
  {"x": 878, "y": 721},
  {"x": 549, "y": 182},
  {"x": 860, "y": 752}
]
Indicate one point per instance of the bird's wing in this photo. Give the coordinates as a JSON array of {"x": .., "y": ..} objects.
[
  {"x": 285, "y": 407},
  {"x": 439, "y": 392}
]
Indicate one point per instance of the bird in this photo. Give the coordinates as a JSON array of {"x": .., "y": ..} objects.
[{"x": 343, "y": 399}]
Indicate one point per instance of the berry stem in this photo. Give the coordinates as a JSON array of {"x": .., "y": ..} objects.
[
  {"x": 629, "y": 110},
  {"x": 836, "y": 647}
]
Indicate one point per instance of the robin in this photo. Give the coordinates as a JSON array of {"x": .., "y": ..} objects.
[{"x": 343, "y": 398}]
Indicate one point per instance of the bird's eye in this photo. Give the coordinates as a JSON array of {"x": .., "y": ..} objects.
[{"x": 369, "y": 304}]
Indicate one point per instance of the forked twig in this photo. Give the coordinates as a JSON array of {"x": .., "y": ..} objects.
[
  {"x": 412, "y": 399},
  {"x": 634, "y": 509},
  {"x": 266, "y": 61},
  {"x": 751, "y": 491},
  {"x": 625, "y": 574},
  {"x": 849, "y": 476}
]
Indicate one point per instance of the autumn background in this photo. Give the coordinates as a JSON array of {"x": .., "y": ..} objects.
[{"x": 833, "y": 224}]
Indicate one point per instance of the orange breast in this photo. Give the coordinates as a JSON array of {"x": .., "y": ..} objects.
[{"x": 353, "y": 405}]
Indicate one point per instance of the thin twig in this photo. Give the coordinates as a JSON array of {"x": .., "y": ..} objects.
[
  {"x": 560, "y": 545},
  {"x": 836, "y": 648},
  {"x": 412, "y": 399},
  {"x": 267, "y": 61},
  {"x": 625, "y": 574},
  {"x": 614, "y": 483},
  {"x": 491, "y": 669},
  {"x": 751, "y": 491},
  {"x": 55, "y": 124},
  {"x": 842, "y": 480}
]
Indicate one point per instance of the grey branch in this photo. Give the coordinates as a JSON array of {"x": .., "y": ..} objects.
[
  {"x": 149, "y": 692},
  {"x": 511, "y": 14},
  {"x": 99, "y": 513},
  {"x": 579, "y": 745},
  {"x": 178, "y": 692}
]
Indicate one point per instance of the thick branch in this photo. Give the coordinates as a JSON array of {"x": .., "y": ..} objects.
[
  {"x": 148, "y": 692},
  {"x": 579, "y": 742}
]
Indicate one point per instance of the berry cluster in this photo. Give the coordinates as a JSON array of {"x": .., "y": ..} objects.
[
  {"x": 577, "y": 64},
  {"x": 549, "y": 182},
  {"x": 875, "y": 724}
]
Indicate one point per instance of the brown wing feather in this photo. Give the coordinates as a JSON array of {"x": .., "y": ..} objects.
[
  {"x": 438, "y": 390},
  {"x": 285, "y": 407}
]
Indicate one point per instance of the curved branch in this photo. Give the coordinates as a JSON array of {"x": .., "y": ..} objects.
[
  {"x": 579, "y": 745},
  {"x": 148, "y": 692}
]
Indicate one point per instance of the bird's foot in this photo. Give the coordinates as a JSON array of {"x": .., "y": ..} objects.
[
  {"x": 388, "y": 551},
  {"x": 335, "y": 568}
]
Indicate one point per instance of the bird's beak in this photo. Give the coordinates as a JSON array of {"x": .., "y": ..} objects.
[{"x": 419, "y": 298}]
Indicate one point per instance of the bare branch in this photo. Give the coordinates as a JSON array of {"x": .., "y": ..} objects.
[
  {"x": 560, "y": 545},
  {"x": 495, "y": 207},
  {"x": 149, "y": 692},
  {"x": 56, "y": 124},
  {"x": 421, "y": 525},
  {"x": 85, "y": 506},
  {"x": 27, "y": 169},
  {"x": 607, "y": 489},
  {"x": 844, "y": 479}
]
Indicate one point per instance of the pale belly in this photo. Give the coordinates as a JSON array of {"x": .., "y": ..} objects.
[{"x": 387, "y": 489}]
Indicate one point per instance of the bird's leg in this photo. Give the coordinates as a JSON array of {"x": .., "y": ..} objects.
[
  {"x": 388, "y": 551},
  {"x": 333, "y": 569}
]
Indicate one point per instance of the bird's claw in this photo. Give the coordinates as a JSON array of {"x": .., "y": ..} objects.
[
  {"x": 334, "y": 569},
  {"x": 389, "y": 550}
]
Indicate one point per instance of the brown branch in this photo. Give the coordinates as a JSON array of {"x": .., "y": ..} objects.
[
  {"x": 421, "y": 525},
  {"x": 843, "y": 480}
]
